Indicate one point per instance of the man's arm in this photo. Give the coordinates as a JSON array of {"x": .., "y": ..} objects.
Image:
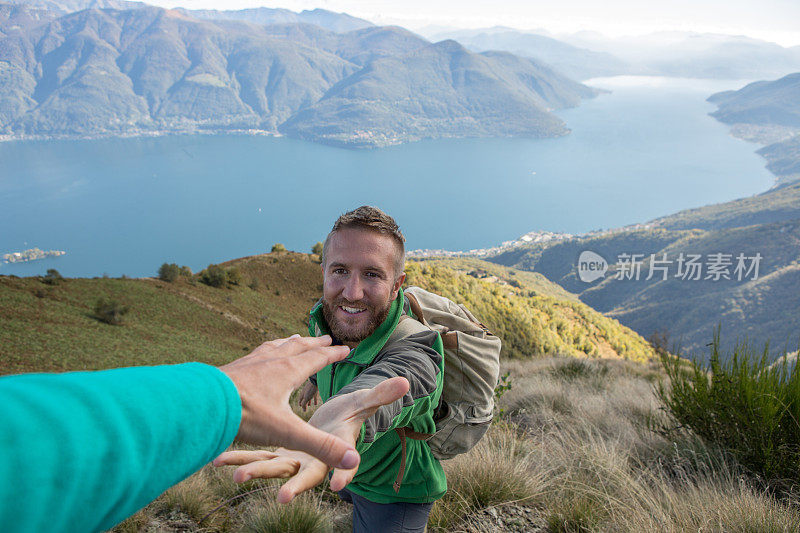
[{"x": 413, "y": 358}]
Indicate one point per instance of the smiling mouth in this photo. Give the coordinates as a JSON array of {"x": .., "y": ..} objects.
[{"x": 352, "y": 310}]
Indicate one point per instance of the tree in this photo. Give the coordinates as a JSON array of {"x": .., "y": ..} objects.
[
  {"x": 52, "y": 277},
  {"x": 278, "y": 247},
  {"x": 214, "y": 276},
  {"x": 317, "y": 249},
  {"x": 169, "y": 272}
]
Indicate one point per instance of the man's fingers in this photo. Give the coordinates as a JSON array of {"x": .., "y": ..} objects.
[
  {"x": 383, "y": 393},
  {"x": 328, "y": 448},
  {"x": 341, "y": 478},
  {"x": 280, "y": 467},
  {"x": 306, "y": 479},
  {"x": 242, "y": 457}
]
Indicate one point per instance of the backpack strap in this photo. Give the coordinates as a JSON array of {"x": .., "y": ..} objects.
[
  {"x": 411, "y": 434},
  {"x": 407, "y": 326}
]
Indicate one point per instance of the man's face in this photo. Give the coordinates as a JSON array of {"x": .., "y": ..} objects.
[{"x": 359, "y": 283}]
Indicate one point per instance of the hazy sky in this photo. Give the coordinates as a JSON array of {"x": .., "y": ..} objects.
[{"x": 773, "y": 20}]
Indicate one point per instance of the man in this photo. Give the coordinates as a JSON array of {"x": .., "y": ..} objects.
[
  {"x": 391, "y": 491},
  {"x": 83, "y": 450}
]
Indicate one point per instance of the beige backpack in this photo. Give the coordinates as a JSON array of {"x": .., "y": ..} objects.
[{"x": 471, "y": 371}]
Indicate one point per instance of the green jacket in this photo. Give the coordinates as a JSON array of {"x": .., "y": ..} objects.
[{"x": 420, "y": 359}]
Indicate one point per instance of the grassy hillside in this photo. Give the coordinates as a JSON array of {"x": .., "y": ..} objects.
[
  {"x": 574, "y": 452},
  {"x": 530, "y": 323},
  {"x": 774, "y": 205},
  {"x": 53, "y": 327}
]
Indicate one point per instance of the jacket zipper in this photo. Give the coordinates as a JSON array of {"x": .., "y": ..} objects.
[{"x": 333, "y": 373}]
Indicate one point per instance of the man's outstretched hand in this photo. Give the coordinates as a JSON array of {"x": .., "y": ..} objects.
[
  {"x": 307, "y": 395},
  {"x": 266, "y": 378},
  {"x": 342, "y": 416}
]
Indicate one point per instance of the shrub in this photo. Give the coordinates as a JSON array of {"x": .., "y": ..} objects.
[
  {"x": 169, "y": 272},
  {"x": 186, "y": 271},
  {"x": 214, "y": 276},
  {"x": 110, "y": 311},
  {"x": 742, "y": 404},
  {"x": 234, "y": 276},
  {"x": 52, "y": 277},
  {"x": 317, "y": 249},
  {"x": 278, "y": 247}
]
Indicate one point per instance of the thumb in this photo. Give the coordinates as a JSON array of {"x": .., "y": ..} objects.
[
  {"x": 328, "y": 448},
  {"x": 383, "y": 393},
  {"x": 369, "y": 400}
]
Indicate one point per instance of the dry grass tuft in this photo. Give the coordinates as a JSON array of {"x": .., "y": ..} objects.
[
  {"x": 498, "y": 470},
  {"x": 305, "y": 514}
]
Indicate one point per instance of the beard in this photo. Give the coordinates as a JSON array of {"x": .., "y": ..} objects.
[{"x": 344, "y": 333}]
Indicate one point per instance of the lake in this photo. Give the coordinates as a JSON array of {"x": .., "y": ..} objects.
[{"x": 124, "y": 206}]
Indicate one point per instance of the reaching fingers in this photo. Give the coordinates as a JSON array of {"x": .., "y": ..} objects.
[
  {"x": 279, "y": 467},
  {"x": 242, "y": 457},
  {"x": 311, "y": 475},
  {"x": 368, "y": 400},
  {"x": 327, "y": 448},
  {"x": 341, "y": 478}
]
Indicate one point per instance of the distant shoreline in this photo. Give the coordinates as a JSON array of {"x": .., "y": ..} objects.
[
  {"x": 137, "y": 134},
  {"x": 33, "y": 254}
]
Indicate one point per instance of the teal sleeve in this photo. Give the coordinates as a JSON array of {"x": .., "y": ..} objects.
[{"x": 82, "y": 451}]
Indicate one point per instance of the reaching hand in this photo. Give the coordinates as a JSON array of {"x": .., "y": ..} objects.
[
  {"x": 266, "y": 378},
  {"x": 341, "y": 416},
  {"x": 308, "y": 394}
]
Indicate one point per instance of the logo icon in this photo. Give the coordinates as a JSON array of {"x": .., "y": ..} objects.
[{"x": 591, "y": 266}]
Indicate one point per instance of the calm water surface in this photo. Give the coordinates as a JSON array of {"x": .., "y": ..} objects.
[{"x": 124, "y": 206}]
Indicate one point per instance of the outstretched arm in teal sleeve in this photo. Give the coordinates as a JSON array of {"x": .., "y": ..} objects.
[{"x": 82, "y": 451}]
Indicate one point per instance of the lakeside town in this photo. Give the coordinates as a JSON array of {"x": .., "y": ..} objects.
[{"x": 31, "y": 255}]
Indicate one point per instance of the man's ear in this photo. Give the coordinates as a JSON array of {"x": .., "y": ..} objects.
[{"x": 398, "y": 282}]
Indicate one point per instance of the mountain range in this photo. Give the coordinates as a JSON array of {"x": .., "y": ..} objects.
[
  {"x": 575, "y": 62},
  {"x": 767, "y": 112},
  {"x": 687, "y": 310},
  {"x": 112, "y": 72},
  {"x": 585, "y": 55}
]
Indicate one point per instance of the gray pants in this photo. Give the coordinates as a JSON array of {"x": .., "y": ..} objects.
[{"x": 400, "y": 517}]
